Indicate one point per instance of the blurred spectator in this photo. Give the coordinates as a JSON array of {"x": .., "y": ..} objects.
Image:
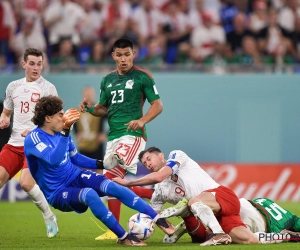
[
  {"x": 177, "y": 29},
  {"x": 154, "y": 54},
  {"x": 288, "y": 14},
  {"x": 30, "y": 9},
  {"x": 259, "y": 16},
  {"x": 148, "y": 20},
  {"x": 196, "y": 14},
  {"x": 61, "y": 19},
  {"x": 97, "y": 53},
  {"x": 274, "y": 41},
  {"x": 296, "y": 37},
  {"x": 241, "y": 40},
  {"x": 29, "y": 37},
  {"x": 89, "y": 130},
  {"x": 65, "y": 57},
  {"x": 227, "y": 13},
  {"x": 203, "y": 38},
  {"x": 7, "y": 30},
  {"x": 89, "y": 30},
  {"x": 116, "y": 15}
]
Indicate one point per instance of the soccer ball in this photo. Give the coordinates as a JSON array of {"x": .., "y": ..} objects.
[{"x": 141, "y": 225}]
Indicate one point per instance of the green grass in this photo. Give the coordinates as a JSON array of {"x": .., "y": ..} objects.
[{"x": 22, "y": 227}]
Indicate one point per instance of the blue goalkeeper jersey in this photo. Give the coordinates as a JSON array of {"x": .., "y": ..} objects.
[{"x": 53, "y": 161}]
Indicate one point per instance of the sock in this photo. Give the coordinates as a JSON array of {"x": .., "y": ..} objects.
[
  {"x": 90, "y": 198},
  {"x": 114, "y": 205},
  {"x": 195, "y": 229},
  {"x": 268, "y": 238},
  {"x": 40, "y": 201},
  {"x": 142, "y": 192},
  {"x": 207, "y": 217},
  {"x": 128, "y": 198}
]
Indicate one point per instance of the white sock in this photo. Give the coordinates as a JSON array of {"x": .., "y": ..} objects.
[
  {"x": 268, "y": 238},
  {"x": 207, "y": 217},
  {"x": 40, "y": 201}
]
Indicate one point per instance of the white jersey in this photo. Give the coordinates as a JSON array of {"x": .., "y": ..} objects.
[
  {"x": 189, "y": 175},
  {"x": 21, "y": 98},
  {"x": 166, "y": 191}
]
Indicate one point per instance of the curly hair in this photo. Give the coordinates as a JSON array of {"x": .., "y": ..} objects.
[{"x": 47, "y": 106}]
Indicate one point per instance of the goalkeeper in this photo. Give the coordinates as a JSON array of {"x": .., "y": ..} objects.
[{"x": 53, "y": 160}]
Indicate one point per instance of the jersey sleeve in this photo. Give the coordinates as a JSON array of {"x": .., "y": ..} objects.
[
  {"x": 175, "y": 157},
  {"x": 8, "y": 101},
  {"x": 103, "y": 99},
  {"x": 157, "y": 202},
  {"x": 150, "y": 89}
]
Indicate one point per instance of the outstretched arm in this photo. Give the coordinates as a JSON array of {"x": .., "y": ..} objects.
[
  {"x": 148, "y": 179},
  {"x": 154, "y": 110}
]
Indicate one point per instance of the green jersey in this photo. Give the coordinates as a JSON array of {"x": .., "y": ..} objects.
[
  {"x": 277, "y": 218},
  {"x": 125, "y": 95}
]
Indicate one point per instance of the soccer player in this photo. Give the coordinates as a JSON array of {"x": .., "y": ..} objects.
[
  {"x": 208, "y": 201},
  {"x": 262, "y": 216},
  {"x": 53, "y": 162},
  {"x": 122, "y": 95},
  {"x": 20, "y": 98}
]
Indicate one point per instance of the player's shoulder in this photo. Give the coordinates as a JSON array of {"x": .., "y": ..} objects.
[
  {"x": 16, "y": 83},
  {"x": 176, "y": 153},
  {"x": 44, "y": 81},
  {"x": 142, "y": 71}
]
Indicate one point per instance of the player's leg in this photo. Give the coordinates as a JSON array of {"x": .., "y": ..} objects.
[
  {"x": 126, "y": 148},
  {"x": 79, "y": 199},
  {"x": 103, "y": 186},
  {"x": 9, "y": 164},
  {"x": 34, "y": 192},
  {"x": 204, "y": 207}
]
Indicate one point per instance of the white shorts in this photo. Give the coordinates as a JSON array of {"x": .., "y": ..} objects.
[
  {"x": 128, "y": 147},
  {"x": 251, "y": 217}
]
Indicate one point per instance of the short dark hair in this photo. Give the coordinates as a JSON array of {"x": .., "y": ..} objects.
[
  {"x": 46, "y": 106},
  {"x": 150, "y": 150},
  {"x": 123, "y": 43},
  {"x": 32, "y": 52}
]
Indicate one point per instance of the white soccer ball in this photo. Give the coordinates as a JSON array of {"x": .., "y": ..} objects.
[{"x": 141, "y": 225}]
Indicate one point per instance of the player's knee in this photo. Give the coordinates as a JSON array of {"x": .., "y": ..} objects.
[{"x": 88, "y": 196}]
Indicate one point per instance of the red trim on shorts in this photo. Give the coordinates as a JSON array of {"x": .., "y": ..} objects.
[{"x": 133, "y": 150}]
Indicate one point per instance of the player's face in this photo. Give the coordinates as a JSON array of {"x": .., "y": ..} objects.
[
  {"x": 153, "y": 161},
  {"x": 124, "y": 59},
  {"x": 55, "y": 122},
  {"x": 33, "y": 67}
]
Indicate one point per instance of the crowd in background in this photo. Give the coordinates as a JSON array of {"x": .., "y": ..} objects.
[{"x": 165, "y": 32}]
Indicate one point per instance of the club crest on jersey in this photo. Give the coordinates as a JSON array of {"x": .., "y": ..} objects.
[
  {"x": 35, "y": 97},
  {"x": 129, "y": 84}
]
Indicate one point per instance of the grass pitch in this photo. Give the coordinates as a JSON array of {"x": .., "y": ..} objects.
[{"x": 22, "y": 227}]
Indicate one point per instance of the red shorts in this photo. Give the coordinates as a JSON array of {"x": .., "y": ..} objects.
[
  {"x": 229, "y": 216},
  {"x": 12, "y": 158}
]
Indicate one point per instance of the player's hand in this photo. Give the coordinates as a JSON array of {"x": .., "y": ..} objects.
[
  {"x": 121, "y": 181},
  {"x": 25, "y": 133},
  {"x": 70, "y": 117},
  {"x": 4, "y": 122},
  {"x": 134, "y": 125},
  {"x": 84, "y": 105}
]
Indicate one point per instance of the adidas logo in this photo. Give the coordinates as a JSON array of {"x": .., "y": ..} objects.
[
  {"x": 135, "y": 200},
  {"x": 109, "y": 85},
  {"x": 108, "y": 215}
]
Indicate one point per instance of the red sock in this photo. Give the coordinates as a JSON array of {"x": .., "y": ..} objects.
[
  {"x": 195, "y": 229},
  {"x": 114, "y": 205},
  {"x": 142, "y": 192}
]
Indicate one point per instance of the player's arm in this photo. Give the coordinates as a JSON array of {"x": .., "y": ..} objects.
[
  {"x": 82, "y": 160},
  {"x": 5, "y": 118},
  {"x": 148, "y": 179}
]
